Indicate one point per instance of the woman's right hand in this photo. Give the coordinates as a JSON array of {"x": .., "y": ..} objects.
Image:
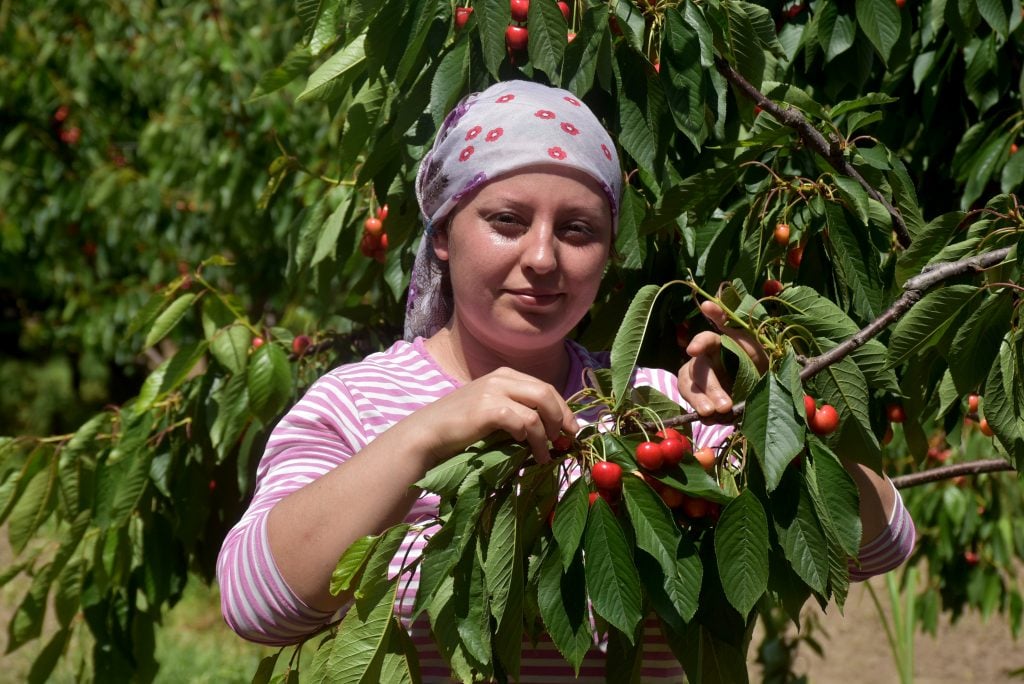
[{"x": 527, "y": 409}]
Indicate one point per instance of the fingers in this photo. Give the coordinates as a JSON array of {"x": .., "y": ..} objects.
[
  {"x": 528, "y": 409},
  {"x": 745, "y": 340},
  {"x": 700, "y": 386}
]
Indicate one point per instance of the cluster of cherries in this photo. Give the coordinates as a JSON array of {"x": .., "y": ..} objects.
[
  {"x": 653, "y": 457},
  {"x": 794, "y": 256},
  {"x": 517, "y": 35},
  {"x": 374, "y": 243}
]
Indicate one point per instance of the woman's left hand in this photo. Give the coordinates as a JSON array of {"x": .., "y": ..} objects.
[{"x": 703, "y": 380}]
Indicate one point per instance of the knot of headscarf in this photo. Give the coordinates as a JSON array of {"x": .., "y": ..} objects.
[{"x": 509, "y": 126}]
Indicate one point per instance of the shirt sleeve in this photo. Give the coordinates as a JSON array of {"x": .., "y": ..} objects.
[
  {"x": 890, "y": 548},
  {"x": 310, "y": 440}
]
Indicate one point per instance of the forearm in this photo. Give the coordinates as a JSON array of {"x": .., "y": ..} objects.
[
  {"x": 309, "y": 529},
  {"x": 877, "y": 499}
]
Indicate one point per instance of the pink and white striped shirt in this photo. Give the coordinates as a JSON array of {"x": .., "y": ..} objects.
[{"x": 343, "y": 412}]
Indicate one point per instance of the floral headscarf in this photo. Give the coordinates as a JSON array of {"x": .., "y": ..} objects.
[{"x": 509, "y": 126}]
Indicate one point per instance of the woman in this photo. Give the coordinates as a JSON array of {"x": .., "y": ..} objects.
[{"x": 520, "y": 198}]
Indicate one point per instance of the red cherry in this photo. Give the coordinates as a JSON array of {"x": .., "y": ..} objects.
[
  {"x": 461, "y": 17},
  {"x": 373, "y": 226},
  {"x": 887, "y": 437},
  {"x": 257, "y": 342},
  {"x": 517, "y": 38},
  {"x": 71, "y": 135},
  {"x": 683, "y": 335},
  {"x": 781, "y": 234},
  {"x": 973, "y": 400},
  {"x": 896, "y": 413},
  {"x": 561, "y": 443},
  {"x": 825, "y": 420},
  {"x": 971, "y": 557},
  {"x": 592, "y": 497},
  {"x": 61, "y": 114},
  {"x": 1013, "y": 148},
  {"x": 695, "y": 508},
  {"x": 901, "y": 3},
  {"x": 607, "y": 475},
  {"x": 772, "y": 288},
  {"x": 672, "y": 497},
  {"x": 649, "y": 455},
  {"x": 369, "y": 244},
  {"x": 564, "y": 6},
  {"x": 300, "y": 344},
  {"x": 810, "y": 406},
  {"x": 985, "y": 428},
  {"x": 673, "y": 450},
  {"x": 795, "y": 256},
  {"x": 520, "y": 9},
  {"x": 669, "y": 433},
  {"x": 382, "y": 211}
]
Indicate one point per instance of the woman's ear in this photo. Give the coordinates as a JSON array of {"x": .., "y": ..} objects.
[{"x": 440, "y": 238}]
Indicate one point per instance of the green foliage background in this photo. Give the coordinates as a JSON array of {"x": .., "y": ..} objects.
[{"x": 226, "y": 156}]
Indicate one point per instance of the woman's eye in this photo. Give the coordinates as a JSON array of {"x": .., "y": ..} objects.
[{"x": 578, "y": 231}]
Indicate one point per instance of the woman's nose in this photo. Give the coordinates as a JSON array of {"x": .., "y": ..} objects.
[{"x": 539, "y": 249}]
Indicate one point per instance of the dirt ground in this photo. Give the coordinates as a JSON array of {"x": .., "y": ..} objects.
[{"x": 857, "y": 650}]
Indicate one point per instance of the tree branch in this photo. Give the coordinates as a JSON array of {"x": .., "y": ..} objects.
[
  {"x": 830, "y": 151},
  {"x": 913, "y": 290},
  {"x": 946, "y": 472}
]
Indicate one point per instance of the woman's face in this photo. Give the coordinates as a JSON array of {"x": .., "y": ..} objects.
[{"x": 526, "y": 253}]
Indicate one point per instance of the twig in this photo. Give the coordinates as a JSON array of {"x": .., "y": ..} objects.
[
  {"x": 830, "y": 150},
  {"x": 993, "y": 465}
]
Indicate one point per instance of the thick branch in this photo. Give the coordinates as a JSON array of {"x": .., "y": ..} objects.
[
  {"x": 946, "y": 472},
  {"x": 913, "y": 290},
  {"x": 831, "y": 151}
]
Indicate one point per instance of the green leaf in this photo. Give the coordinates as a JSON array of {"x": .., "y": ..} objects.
[
  {"x": 295, "y": 64},
  {"x": 880, "y": 21},
  {"x": 321, "y": 83},
  {"x": 361, "y": 636},
  {"x": 570, "y": 520},
  {"x": 493, "y": 17},
  {"x": 800, "y": 534},
  {"x": 1004, "y": 398},
  {"x": 585, "y": 51},
  {"x": 629, "y": 338},
  {"x": 230, "y": 346},
  {"x": 834, "y": 495},
  {"x": 399, "y": 660},
  {"x": 976, "y": 343},
  {"x": 656, "y": 530},
  {"x": 562, "y": 599},
  {"x": 327, "y": 239},
  {"x": 836, "y": 31},
  {"x": 352, "y": 562},
  {"x": 996, "y": 15},
  {"x": 548, "y": 37},
  {"x": 820, "y": 316},
  {"x": 33, "y": 507},
  {"x": 772, "y": 427},
  {"x": 503, "y": 552},
  {"x": 683, "y": 77},
  {"x": 269, "y": 381},
  {"x": 612, "y": 579},
  {"x": 169, "y": 318},
  {"x": 449, "y": 80},
  {"x": 741, "y": 549},
  {"x": 325, "y": 30},
  {"x": 925, "y": 324}
]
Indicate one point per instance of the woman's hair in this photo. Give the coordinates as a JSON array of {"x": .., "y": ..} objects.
[{"x": 510, "y": 126}]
